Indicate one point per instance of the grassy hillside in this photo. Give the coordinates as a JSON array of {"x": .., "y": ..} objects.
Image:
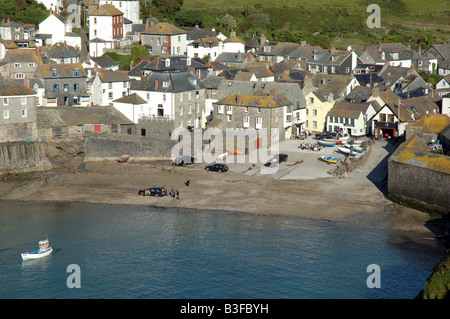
[{"x": 26, "y": 11}]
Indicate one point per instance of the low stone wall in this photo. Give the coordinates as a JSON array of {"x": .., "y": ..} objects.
[
  {"x": 23, "y": 157},
  {"x": 102, "y": 146},
  {"x": 352, "y": 164}
]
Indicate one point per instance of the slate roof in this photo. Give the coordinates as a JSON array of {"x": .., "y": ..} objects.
[
  {"x": 11, "y": 88},
  {"x": 106, "y": 10},
  {"x": 63, "y": 70},
  {"x": 74, "y": 116},
  {"x": 443, "y": 50},
  {"x": 349, "y": 110},
  {"x": 212, "y": 82},
  {"x": 164, "y": 28},
  {"x": 432, "y": 123},
  {"x": 176, "y": 82},
  {"x": 264, "y": 101},
  {"x": 138, "y": 68},
  {"x": 359, "y": 94},
  {"x": 197, "y": 33},
  {"x": 177, "y": 63},
  {"x": 21, "y": 56},
  {"x": 59, "y": 52},
  {"x": 205, "y": 42},
  {"x": 104, "y": 61},
  {"x": 113, "y": 76},
  {"x": 133, "y": 98}
]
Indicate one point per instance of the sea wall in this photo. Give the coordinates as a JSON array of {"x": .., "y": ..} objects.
[
  {"x": 100, "y": 146},
  {"x": 419, "y": 187},
  {"x": 22, "y": 157}
]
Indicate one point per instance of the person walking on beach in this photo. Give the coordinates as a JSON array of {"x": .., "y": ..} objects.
[
  {"x": 177, "y": 194},
  {"x": 188, "y": 182}
]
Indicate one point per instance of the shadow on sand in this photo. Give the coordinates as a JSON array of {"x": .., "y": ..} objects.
[{"x": 378, "y": 176}]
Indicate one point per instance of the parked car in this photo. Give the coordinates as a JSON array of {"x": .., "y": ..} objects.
[
  {"x": 153, "y": 191},
  {"x": 324, "y": 135},
  {"x": 183, "y": 160},
  {"x": 218, "y": 167},
  {"x": 277, "y": 158}
]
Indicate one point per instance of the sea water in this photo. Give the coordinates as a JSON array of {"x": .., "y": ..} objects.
[{"x": 145, "y": 252}]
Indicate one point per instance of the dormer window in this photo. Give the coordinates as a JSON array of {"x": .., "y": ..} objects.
[
  {"x": 267, "y": 49},
  {"x": 54, "y": 73},
  {"x": 76, "y": 72},
  {"x": 165, "y": 84},
  {"x": 167, "y": 62},
  {"x": 188, "y": 62}
]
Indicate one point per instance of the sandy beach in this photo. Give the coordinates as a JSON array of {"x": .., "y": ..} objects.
[{"x": 301, "y": 187}]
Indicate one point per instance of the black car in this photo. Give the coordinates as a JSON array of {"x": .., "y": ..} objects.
[
  {"x": 183, "y": 160},
  {"x": 326, "y": 135},
  {"x": 217, "y": 167},
  {"x": 277, "y": 158},
  {"x": 153, "y": 191}
]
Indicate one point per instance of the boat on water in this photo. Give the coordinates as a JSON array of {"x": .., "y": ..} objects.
[
  {"x": 346, "y": 151},
  {"x": 43, "y": 251},
  {"x": 328, "y": 144},
  {"x": 329, "y": 159}
]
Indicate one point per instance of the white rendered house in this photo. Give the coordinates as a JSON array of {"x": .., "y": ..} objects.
[
  {"x": 109, "y": 86},
  {"x": 130, "y": 8},
  {"x": 105, "y": 29}
]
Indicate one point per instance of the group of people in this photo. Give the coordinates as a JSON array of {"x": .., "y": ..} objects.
[
  {"x": 175, "y": 193},
  {"x": 310, "y": 147}
]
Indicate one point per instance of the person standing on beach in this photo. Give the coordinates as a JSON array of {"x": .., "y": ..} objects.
[
  {"x": 177, "y": 194},
  {"x": 188, "y": 182}
]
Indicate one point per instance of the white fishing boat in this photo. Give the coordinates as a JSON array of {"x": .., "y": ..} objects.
[
  {"x": 346, "y": 151},
  {"x": 43, "y": 251}
]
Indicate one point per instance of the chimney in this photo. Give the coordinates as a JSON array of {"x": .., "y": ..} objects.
[
  {"x": 156, "y": 84},
  {"x": 409, "y": 45},
  {"x": 152, "y": 23},
  {"x": 9, "y": 20},
  {"x": 379, "y": 45},
  {"x": 238, "y": 99},
  {"x": 233, "y": 34},
  {"x": 332, "y": 50},
  {"x": 262, "y": 39},
  {"x": 26, "y": 82}
]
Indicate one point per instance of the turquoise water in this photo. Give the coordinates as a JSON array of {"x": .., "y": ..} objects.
[{"x": 143, "y": 252}]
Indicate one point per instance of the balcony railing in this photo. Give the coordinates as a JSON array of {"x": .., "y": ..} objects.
[{"x": 385, "y": 124}]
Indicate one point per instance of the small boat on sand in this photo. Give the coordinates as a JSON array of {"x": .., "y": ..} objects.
[
  {"x": 123, "y": 159},
  {"x": 355, "y": 148},
  {"x": 43, "y": 251},
  {"x": 328, "y": 144},
  {"x": 329, "y": 159},
  {"x": 332, "y": 141},
  {"x": 346, "y": 151},
  {"x": 222, "y": 157}
]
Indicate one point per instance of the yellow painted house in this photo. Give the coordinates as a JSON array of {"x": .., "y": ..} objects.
[{"x": 318, "y": 104}]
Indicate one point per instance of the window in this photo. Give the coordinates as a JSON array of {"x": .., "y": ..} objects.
[
  {"x": 76, "y": 87},
  {"x": 165, "y": 84},
  {"x": 197, "y": 94},
  {"x": 125, "y": 84},
  {"x": 258, "y": 110},
  {"x": 55, "y": 88},
  {"x": 259, "y": 122},
  {"x": 314, "y": 112},
  {"x": 382, "y": 117},
  {"x": 229, "y": 109},
  {"x": 306, "y": 123},
  {"x": 17, "y": 65},
  {"x": 181, "y": 110},
  {"x": 76, "y": 72},
  {"x": 197, "y": 107},
  {"x": 110, "y": 95},
  {"x": 167, "y": 62},
  {"x": 31, "y": 65},
  {"x": 245, "y": 121},
  {"x": 190, "y": 109},
  {"x": 347, "y": 70},
  {"x": 6, "y": 114},
  {"x": 23, "y": 112},
  {"x": 220, "y": 109},
  {"x": 19, "y": 76},
  {"x": 23, "y": 100},
  {"x": 54, "y": 73},
  {"x": 330, "y": 120},
  {"x": 66, "y": 88},
  {"x": 311, "y": 100},
  {"x": 229, "y": 117},
  {"x": 164, "y": 97},
  {"x": 314, "y": 124},
  {"x": 148, "y": 96},
  {"x": 246, "y": 109},
  {"x": 110, "y": 85}
]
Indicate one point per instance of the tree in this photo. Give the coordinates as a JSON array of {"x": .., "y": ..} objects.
[
  {"x": 168, "y": 7},
  {"x": 228, "y": 22}
]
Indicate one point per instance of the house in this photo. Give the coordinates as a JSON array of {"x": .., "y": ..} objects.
[
  {"x": 211, "y": 84},
  {"x": 271, "y": 112},
  {"x": 255, "y": 43},
  {"x": 20, "y": 64},
  {"x": 339, "y": 85},
  {"x": 441, "y": 52},
  {"x": 165, "y": 39},
  {"x": 108, "y": 86},
  {"x": 198, "y": 33},
  {"x": 10, "y": 30},
  {"x": 176, "y": 96},
  {"x": 57, "y": 30},
  {"x": 393, "y": 118},
  {"x": 412, "y": 85},
  {"x": 37, "y": 85},
  {"x": 65, "y": 84},
  {"x": 60, "y": 53},
  {"x": 353, "y": 119},
  {"x": 77, "y": 121},
  {"x": 210, "y": 47},
  {"x": 134, "y": 35},
  {"x": 318, "y": 104},
  {"x": 130, "y": 8},
  {"x": 105, "y": 29},
  {"x": 52, "y": 5},
  {"x": 137, "y": 71},
  {"x": 130, "y": 106},
  {"x": 332, "y": 62},
  {"x": 295, "y": 116},
  {"x": 11, "y": 45},
  {"x": 233, "y": 44},
  {"x": 17, "y": 112},
  {"x": 104, "y": 62}
]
